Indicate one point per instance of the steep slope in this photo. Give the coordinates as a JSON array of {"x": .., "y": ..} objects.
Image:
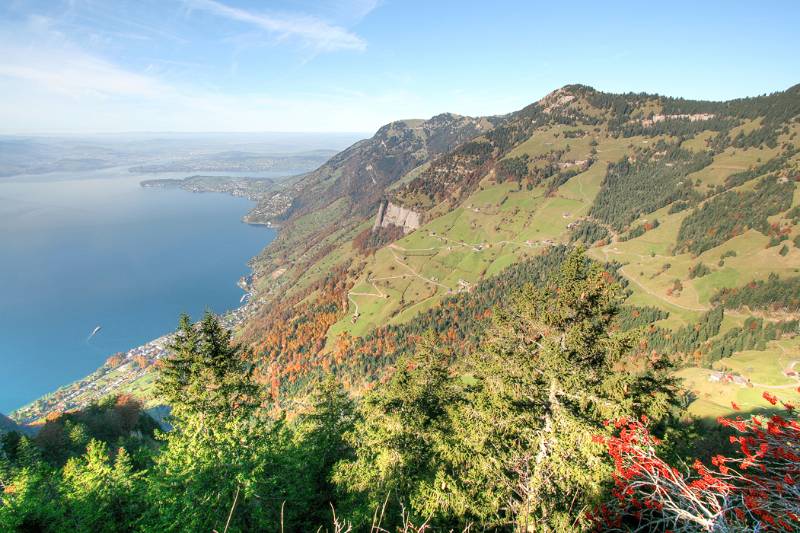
[
  {"x": 318, "y": 207},
  {"x": 7, "y": 425},
  {"x": 648, "y": 183},
  {"x": 618, "y": 172},
  {"x": 362, "y": 172}
]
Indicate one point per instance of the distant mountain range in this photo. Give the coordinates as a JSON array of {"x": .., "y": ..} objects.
[{"x": 172, "y": 153}]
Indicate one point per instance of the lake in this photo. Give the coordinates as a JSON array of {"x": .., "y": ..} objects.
[{"x": 79, "y": 250}]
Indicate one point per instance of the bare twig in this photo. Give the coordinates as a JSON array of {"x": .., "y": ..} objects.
[{"x": 230, "y": 515}]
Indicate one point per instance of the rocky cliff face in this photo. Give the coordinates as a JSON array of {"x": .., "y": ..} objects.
[
  {"x": 346, "y": 191},
  {"x": 361, "y": 173},
  {"x": 390, "y": 214}
]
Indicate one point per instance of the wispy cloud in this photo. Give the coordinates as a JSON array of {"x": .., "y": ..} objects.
[
  {"x": 56, "y": 65},
  {"x": 52, "y": 82},
  {"x": 40, "y": 57},
  {"x": 320, "y": 35},
  {"x": 57, "y": 86}
]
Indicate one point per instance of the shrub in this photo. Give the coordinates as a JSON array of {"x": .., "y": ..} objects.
[{"x": 755, "y": 490}]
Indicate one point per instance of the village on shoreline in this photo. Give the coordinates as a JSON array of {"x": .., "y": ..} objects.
[{"x": 126, "y": 372}]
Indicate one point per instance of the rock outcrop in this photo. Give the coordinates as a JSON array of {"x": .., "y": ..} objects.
[
  {"x": 696, "y": 117},
  {"x": 390, "y": 214}
]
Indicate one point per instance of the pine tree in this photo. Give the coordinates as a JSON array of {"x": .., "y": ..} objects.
[
  {"x": 31, "y": 498},
  {"x": 547, "y": 376},
  {"x": 207, "y": 373},
  {"x": 101, "y": 494},
  {"x": 224, "y": 466},
  {"x": 177, "y": 370},
  {"x": 402, "y": 439},
  {"x": 322, "y": 438}
]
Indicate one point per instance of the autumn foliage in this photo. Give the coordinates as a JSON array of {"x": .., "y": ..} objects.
[
  {"x": 757, "y": 490},
  {"x": 288, "y": 338},
  {"x": 371, "y": 240}
]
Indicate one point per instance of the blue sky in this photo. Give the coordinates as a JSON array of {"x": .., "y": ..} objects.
[{"x": 353, "y": 65}]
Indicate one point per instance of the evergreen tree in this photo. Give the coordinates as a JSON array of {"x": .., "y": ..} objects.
[
  {"x": 322, "y": 438},
  {"x": 207, "y": 374},
  {"x": 101, "y": 494},
  {"x": 177, "y": 371},
  {"x": 216, "y": 452},
  {"x": 548, "y": 375},
  {"x": 402, "y": 441},
  {"x": 30, "y": 499}
]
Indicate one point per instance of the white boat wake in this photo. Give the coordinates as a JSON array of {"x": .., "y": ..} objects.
[{"x": 95, "y": 331}]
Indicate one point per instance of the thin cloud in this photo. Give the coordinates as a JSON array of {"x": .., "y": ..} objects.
[
  {"x": 74, "y": 72},
  {"x": 40, "y": 57},
  {"x": 317, "y": 33},
  {"x": 362, "y": 8}
]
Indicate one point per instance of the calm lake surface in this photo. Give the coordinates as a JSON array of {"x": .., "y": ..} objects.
[{"x": 79, "y": 250}]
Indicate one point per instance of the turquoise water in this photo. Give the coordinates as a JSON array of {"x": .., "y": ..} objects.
[{"x": 79, "y": 250}]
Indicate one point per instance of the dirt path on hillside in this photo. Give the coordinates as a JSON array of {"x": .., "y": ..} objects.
[
  {"x": 417, "y": 274},
  {"x": 789, "y": 368},
  {"x": 653, "y": 293},
  {"x": 380, "y": 294},
  {"x": 413, "y": 273}
]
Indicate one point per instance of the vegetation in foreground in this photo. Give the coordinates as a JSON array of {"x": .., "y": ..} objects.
[{"x": 516, "y": 440}]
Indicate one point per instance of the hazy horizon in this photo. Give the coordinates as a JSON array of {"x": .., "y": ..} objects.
[
  {"x": 145, "y": 133},
  {"x": 364, "y": 133}
]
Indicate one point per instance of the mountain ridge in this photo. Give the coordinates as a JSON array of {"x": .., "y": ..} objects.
[{"x": 621, "y": 173}]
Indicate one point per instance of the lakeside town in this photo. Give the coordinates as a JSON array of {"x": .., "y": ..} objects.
[
  {"x": 126, "y": 372},
  {"x": 270, "y": 200},
  {"x": 245, "y": 187}
]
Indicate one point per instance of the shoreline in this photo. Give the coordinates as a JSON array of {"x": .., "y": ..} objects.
[{"x": 122, "y": 371}]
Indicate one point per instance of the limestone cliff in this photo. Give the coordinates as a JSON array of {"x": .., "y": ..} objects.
[{"x": 390, "y": 214}]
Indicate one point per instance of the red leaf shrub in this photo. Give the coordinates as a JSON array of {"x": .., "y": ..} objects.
[{"x": 757, "y": 490}]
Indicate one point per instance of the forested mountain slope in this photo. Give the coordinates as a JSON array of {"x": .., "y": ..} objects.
[
  {"x": 317, "y": 208},
  {"x": 695, "y": 205},
  {"x": 364, "y": 170},
  {"x": 7, "y": 425},
  {"x": 689, "y": 197}
]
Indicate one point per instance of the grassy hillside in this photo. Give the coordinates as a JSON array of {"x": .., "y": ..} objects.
[
  {"x": 585, "y": 161},
  {"x": 683, "y": 198}
]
